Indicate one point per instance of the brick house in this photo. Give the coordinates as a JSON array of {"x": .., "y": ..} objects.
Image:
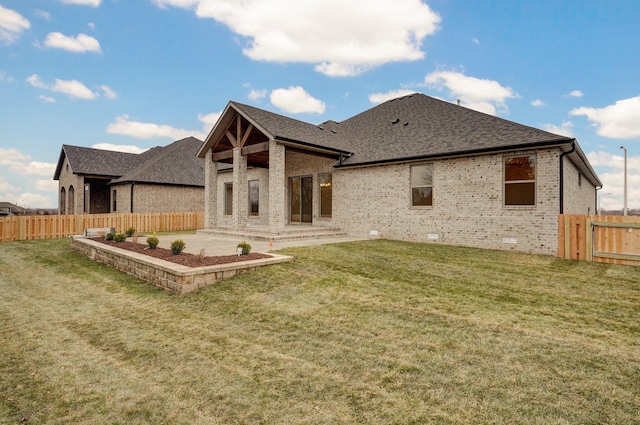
[
  {"x": 162, "y": 179},
  {"x": 414, "y": 168}
]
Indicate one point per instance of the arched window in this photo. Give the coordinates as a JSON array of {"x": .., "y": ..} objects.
[
  {"x": 72, "y": 200},
  {"x": 63, "y": 201}
]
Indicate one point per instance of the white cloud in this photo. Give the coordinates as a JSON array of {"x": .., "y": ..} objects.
[
  {"x": 537, "y": 102},
  {"x": 563, "y": 130},
  {"x": 37, "y": 168},
  {"x": 296, "y": 100},
  {"x": 617, "y": 121},
  {"x": 80, "y": 44},
  {"x": 108, "y": 92},
  {"x": 4, "y": 77},
  {"x": 21, "y": 163},
  {"x": 92, "y": 3},
  {"x": 30, "y": 200},
  {"x": 11, "y": 156},
  {"x": 6, "y": 187},
  {"x": 482, "y": 95},
  {"x": 576, "y": 93},
  {"x": 145, "y": 130},
  {"x": 12, "y": 24},
  {"x": 209, "y": 120},
  {"x": 377, "y": 98},
  {"x": 118, "y": 148},
  {"x": 610, "y": 169},
  {"x": 257, "y": 94},
  {"x": 72, "y": 88},
  {"x": 340, "y": 38},
  {"x": 47, "y": 99},
  {"x": 43, "y": 14},
  {"x": 475, "y": 41},
  {"x": 49, "y": 185},
  {"x": 176, "y": 3},
  {"x": 35, "y": 81}
]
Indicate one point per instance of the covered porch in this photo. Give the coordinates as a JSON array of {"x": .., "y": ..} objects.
[{"x": 259, "y": 185}]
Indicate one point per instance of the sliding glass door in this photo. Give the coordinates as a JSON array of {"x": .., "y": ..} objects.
[{"x": 301, "y": 195}]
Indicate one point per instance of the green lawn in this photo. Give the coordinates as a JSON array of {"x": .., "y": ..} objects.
[{"x": 376, "y": 332}]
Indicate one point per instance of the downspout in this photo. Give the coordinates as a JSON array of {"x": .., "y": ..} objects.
[
  {"x": 597, "y": 203},
  {"x": 131, "y": 206},
  {"x": 562, "y": 155}
]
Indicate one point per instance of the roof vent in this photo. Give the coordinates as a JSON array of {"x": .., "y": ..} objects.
[
  {"x": 458, "y": 102},
  {"x": 406, "y": 124},
  {"x": 321, "y": 127},
  {"x": 396, "y": 121},
  {"x": 333, "y": 131}
]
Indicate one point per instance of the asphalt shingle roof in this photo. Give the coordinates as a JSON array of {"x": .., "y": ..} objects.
[
  {"x": 174, "y": 164},
  {"x": 279, "y": 126},
  {"x": 412, "y": 126},
  {"x": 421, "y": 126},
  {"x": 97, "y": 162}
]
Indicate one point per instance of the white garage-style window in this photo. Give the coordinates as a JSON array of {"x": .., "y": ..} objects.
[
  {"x": 422, "y": 185},
  {"x": 520, "y": 180}
]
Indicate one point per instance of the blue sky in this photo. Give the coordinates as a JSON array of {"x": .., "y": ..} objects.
[{"x": 133, "y": 74}]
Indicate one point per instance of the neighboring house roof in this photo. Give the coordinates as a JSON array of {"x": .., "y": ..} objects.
[
  {"x": 175, "y": 164},
  {"x": 407, "y": 128},
  {"x": 7, "y": 209},
  {"x": 97, "y": 162}
]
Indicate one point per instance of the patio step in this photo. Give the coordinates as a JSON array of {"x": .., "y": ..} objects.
[{"x": 289, "y": 234}]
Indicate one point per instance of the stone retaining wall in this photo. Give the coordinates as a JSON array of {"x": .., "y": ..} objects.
[{"x": 167, "y": 275}]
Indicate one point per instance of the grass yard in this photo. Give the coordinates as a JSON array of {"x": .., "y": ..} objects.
[{"x": 376, "y": 332}]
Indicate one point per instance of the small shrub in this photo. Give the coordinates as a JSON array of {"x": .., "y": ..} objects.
[
  {"x": 177, "y": 246},
  {"x": 245, "y": 248},
  {"x": 153, "y": 241},
  {"x": 109, "y": 236},
  {"x": 130, "y": 232},
  {"x": 120, "y": 237}
]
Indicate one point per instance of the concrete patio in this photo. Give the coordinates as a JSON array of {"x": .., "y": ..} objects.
[{"x": 226, "y": 245}]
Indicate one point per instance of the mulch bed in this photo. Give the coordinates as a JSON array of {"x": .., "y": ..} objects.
[{"x": 185, "y": 259}]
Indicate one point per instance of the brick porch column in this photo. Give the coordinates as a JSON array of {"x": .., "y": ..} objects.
[
  {"x": 240, "y": 190},
  {"x": 277, "y": 186},
  {"x": 210, "y": 192}
]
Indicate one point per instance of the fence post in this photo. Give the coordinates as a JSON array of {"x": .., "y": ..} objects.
[
  {"x": 567, "y": 236},
  {"x": 588, "y": 228}
]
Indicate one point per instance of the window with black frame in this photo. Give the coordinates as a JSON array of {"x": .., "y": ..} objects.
[
  {"x": 520, "y": 180},
  {"x": 422, "y": 185}
]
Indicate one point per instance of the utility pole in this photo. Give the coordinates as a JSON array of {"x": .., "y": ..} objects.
[{"x": 624, "y": 210}]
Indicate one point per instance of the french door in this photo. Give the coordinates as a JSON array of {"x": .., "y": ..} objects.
[{"x": 301, "y": 196}]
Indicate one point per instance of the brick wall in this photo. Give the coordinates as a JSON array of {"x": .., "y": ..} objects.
[
  {"x": 296, "y": 164},
  {"x": 226, "y": 177},
  {"x": 579, "y": 193},
  {"x": 467, "y": 204},
  {"x": 67, "y": 180},
  {"x": 158, "y": 198},
  {"x": 300, "y": 165}
]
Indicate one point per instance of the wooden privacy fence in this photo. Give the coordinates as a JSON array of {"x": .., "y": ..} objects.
[
  {"x": 604, "y": 238},
  {"x": 61, "y": 226}
]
